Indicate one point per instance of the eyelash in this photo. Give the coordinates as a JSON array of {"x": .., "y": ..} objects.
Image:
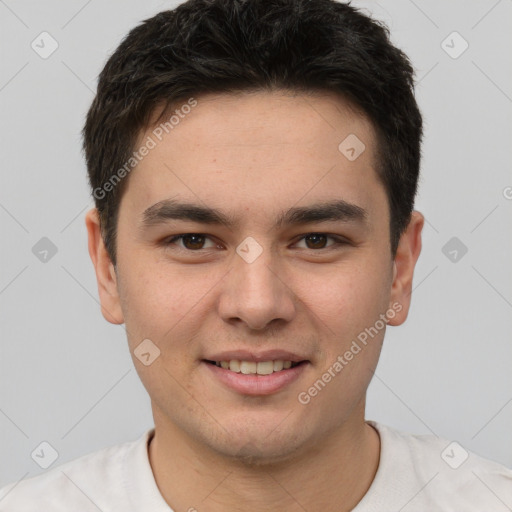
[{"x": 338, "y": 241}]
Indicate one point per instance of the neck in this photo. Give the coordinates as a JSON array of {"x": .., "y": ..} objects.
[{"x": 332, "y": 475}]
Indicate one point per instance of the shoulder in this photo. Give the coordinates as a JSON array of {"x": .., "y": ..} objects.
[
  {"x": 430, "y": 471},
  {"x": 90, "y": 482}
]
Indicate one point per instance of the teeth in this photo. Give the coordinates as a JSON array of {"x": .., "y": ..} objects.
[
  {"x": 265, "y": 368},
  {"x": 278, "y": 366},
  {"x": 234, "y": 366},
  {"x": 247, "y": 367},
  {"x": 254, "y": 368}
]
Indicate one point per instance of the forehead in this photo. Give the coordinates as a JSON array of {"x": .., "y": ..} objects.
[
  {"x": 273, "y": 118},
  {"x": 257, "y": 148}
]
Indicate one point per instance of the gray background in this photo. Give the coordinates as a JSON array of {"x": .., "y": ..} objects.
[{"x": 66, "y": 374}]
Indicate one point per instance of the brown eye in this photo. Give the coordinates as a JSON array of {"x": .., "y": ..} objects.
[
  {"x": 319, "y": 241},
  {"x": 191, "y": 241},
  {"x": 316, "y": 241}
]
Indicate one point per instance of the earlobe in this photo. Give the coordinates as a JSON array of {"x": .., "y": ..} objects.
[
  {"x": 105, "y": 272},
  {"x": 408, "y": 251}
]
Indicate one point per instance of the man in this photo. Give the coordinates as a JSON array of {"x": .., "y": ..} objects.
[{"x": 254, "y": 166}]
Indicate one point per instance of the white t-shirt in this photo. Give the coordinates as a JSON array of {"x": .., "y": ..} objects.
[{"x": 416, "y": 473}]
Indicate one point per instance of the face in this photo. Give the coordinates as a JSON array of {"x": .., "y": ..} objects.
[{"x": 248, "y": 239}]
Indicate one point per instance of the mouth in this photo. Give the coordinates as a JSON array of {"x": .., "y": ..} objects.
[
  {"x": 255, "y": 367},
  {"x": 250, "y": 377}
]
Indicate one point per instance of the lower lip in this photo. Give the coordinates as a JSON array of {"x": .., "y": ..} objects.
[{"x": 256, "y": 385}]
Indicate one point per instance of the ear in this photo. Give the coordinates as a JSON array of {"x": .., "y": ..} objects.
[
  {"x": 408, "y": 251},
  {"x": 105, "y": 271}
]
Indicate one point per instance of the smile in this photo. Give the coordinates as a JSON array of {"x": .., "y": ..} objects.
[
  {"x": 255, "y": 378},
  {"x": 253, "y": 367}
]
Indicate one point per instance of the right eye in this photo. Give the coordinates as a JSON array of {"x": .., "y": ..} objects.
[{"x": 191, "y": 241}]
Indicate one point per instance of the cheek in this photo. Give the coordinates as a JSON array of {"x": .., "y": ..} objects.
[
  {"x": 350, "y": 298},
  {"x": 145, "y": 302},
  {"x": 159, "y": 305},
  {"x": 162, "y": 303},
  {"x": 348, "y": 307}
]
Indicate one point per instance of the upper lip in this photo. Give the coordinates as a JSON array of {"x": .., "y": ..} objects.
[{"x": 247, "y": 355}]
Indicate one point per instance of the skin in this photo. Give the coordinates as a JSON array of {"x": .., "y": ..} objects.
[{"x": 253, "y": 155}]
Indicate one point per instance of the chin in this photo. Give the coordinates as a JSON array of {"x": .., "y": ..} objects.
[
  {"x": 260, "y": 454},
  {"x": 259, "y": 443}
]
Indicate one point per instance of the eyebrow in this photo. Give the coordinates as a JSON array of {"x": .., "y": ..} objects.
[{"x": 170, "y": 209}]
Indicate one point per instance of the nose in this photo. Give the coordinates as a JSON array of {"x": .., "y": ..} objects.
[{"x": 257, "y": 293}]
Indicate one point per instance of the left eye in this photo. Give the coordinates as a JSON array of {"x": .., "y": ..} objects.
[
  {"x": 319, "y": 240},
  {"x": 196, "y": 241}
]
